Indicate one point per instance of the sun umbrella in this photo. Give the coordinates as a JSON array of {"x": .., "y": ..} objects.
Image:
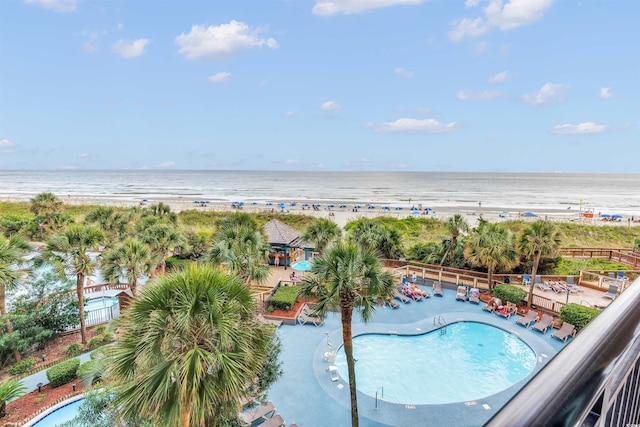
[
  {"x": 605, "y": 216},
  {"x": 371, "y": 207},
  {"x": 529, "y": 214},
  {"x": 342, "y": 206},
  {"x": 302, "y": 266},
  {"x": 398, "y": 208},
  {"x": 416, "y": 212},
  {"x": 358, "y": 207},
  {"x": 616, "y": 216},
  {"x": 269, "y": 204},
  {"x": 305, "y": 205}
]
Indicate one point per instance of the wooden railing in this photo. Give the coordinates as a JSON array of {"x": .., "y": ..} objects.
[
  {"x": 104, "y": 286},
  {"x": 621, "y": 255}
]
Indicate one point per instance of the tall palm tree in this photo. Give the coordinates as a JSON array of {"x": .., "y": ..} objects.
[
  {"x": 455, "y": 225},
  {"x": 190, "y": 345},
  {"x": 67, "y": 251},
  {"x": 376, "y": 237},
  {"x": 45, "y": 204},
  {"x": 112, "y": 223},
  {"x": 321, "y": 232},
  {"x": 9, "y": 390},
  {"x": 161, "y": 211},
  {"x": 12, "y": 253},
  {"x": 163, "y": 239},
  {"x": 131, "y": 259},
  {"x": 347, "y": 278},
  {"x": 492, "y": 247},
  {"x": 239, "y": 244},
  {"x": 538, "y": 240}
]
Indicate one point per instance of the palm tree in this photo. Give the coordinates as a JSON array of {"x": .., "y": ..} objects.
[
  {"x": 163, "y": 239},
  {"x": 492, "y": 247},
  {"x": 455, "y": 225},
  {"x": 377, "y": 237},
  {"x": 45, "y": 204},
  {"x": 68, "y": 253},
  {"x": 239, "y": 244},
  {"x": 189, "y": 347},
  {"x": 130, "y": 259},
  {"x": 9, "y": 390},
  {"x": 162, "y": 212},
  {"x": 347, "y": 278},
  {"x": 321, "y": 232},
  {"x": 112, "y": 223},
  {"x": 12, "y": 253},
  {"x": 538, "y": 240}
]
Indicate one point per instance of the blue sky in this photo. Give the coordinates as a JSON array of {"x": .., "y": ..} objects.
[{"x": 416, "y": 85}]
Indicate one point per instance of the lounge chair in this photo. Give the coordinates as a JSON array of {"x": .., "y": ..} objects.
[
  {"x": 461, "y": 293},
  {"x": 307, "y": 316},
  {"x": 558, "y": 287},
  {"x": 257, "y": 413},
  {"x": 275, "y": 421},
  {"x": 420, "y": 292},
  {"x": 566, "y": 330},
  {"x": 543, "y": 324},
  {"x": 506, "y": 310},
  {"x": 612, "y": 292},
  {"x": 333, "y": 373},
  {"x": 492, "y": 304},
  {"x": 526, "y": 279},
  {"x": 544, "y": 286},
  {"x": 410, "y": 293},
  {"x": 621, "y": 276},
  {"x": 391, "y": 303},
  {"x": 402, "y": 298},
  {"x": 474, "y": 295},
  {"x": 437, "y": 288},
  {"x": 527, "y": 320}
]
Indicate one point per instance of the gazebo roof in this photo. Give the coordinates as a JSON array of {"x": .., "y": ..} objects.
[{"x": 279, "y": 233}]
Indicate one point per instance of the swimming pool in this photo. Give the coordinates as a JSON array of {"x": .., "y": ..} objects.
[
  {"x": 101, "y": 310},
  {"x": 61, "y": 415},
  {"x": 464, "y": 361}
]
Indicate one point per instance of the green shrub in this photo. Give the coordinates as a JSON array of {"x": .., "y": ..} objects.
[
  {"x": 100, "y": 329},
  {"x": 578, "y": 315},
  {"x": 22, "y": 366},
  {"x": 88, "y": 373},
  {"x": 509, "y": 293},
  {"x": 97, "y": 352},
  {"x": 107, "y": 338},
  {"x": 95, "y": 342},
  {"x": 63, "y": 372},
  {"x": 73, "y": 349},
  {"x": 284, "y": 298}
]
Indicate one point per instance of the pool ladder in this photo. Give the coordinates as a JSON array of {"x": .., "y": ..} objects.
[{"x": 439, "y": 320}]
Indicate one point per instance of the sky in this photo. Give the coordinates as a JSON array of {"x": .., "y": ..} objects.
[{"x": 383, "y": 85}]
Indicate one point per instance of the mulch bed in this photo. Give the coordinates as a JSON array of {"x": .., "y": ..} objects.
[
  {"x": 31, "y": 404},
  {"x": 290, "y": 314}
]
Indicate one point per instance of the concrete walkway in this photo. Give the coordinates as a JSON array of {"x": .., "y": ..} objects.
[{"x": 31, "y": 382}]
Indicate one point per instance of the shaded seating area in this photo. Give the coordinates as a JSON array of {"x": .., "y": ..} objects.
[
  {"x": 566, "y": 330},
  {"x": 543, "y": 324},
  {"x": 530, "y": 318}
]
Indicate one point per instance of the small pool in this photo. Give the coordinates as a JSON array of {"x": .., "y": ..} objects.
[
  {"x": 61, "y": 415},
  {"x": 100, "y": 303},
  {"x": 462, "y": 362}
]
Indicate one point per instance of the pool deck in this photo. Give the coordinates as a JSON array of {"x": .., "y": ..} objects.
[{"x": 306, "y": 395}]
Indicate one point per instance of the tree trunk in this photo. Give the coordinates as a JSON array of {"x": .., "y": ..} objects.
[
  {"x": 3, "y": 409},
  {"x": 185, "y": 415},
  {"x": 134, "y": 288},
  {"x": 445, "y": 254},
  {"x": 490, "y": 278},
  {"x": 3, "y": 311},
  {"x": 347, "y": 314},
  {"x": 80, "y": 292},
  {"x": 536, "y": 262}
]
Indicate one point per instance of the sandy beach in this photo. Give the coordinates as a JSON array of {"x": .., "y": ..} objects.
[{"x": 351, "y": 212}]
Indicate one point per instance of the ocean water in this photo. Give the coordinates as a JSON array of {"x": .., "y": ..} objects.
[{"x": 613, "y": 193}]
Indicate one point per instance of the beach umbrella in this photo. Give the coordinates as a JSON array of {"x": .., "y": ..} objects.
[
  {"x": 292, "y": 204},
  {"x": 605, "y": 216},
  {"x": 416, "y": 212},
  {"x": 254, "y": 203},
  {"x": 282, "y": 205},
  {"x": 358, "y": 207},
  {"x": 385, "y": 208},
  {"x": 529, "y": 214},
  {"x": 342, "y": 206},
  {"x": 305, "y": 205},
  {"x": 371, "y": 207},
  {"x": 413, "y": 208},
  {"x": 331, "y": 206},
  {"x": 302, "y": 266},
  {"x": 616, "y": 216},
  {"x": 428, "y": 209},
  {"x": 269, "y": 204},
  {"x": 398, "y": 208}
]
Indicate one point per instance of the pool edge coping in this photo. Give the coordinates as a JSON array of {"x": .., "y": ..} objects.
[{"x": 52, "y": 409}]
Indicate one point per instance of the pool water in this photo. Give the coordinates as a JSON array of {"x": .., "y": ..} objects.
[
  {"x": 98, "y": 303},
  {"x": 468, "y": 362},
  {"x": 61, "y": 415}
]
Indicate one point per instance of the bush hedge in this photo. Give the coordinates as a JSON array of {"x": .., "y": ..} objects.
[
  {"x": 100, "y": 329},
  {"x": 509, "y": 293},
  {"x": 284, "y": 298},
  {"x": 63, "y": 372},
  {"x": 86, "y": 369},
  {"x": 22, "y": 366},
  {"x": 73, "y": 349},
  {"x": 578, "y": 315}
]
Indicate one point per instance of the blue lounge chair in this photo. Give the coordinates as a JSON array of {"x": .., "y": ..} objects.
[{"x": 526, "y": 279}]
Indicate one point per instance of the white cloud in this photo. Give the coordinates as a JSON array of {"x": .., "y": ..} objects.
[
  {"x": 5, "y": 143},
  {"x": 501, "y": 77},
  {"x": 168, "y": 164},
  {"x": 346, "y": 7},
  {"x": 605, "y": 92},
  {"x": 220, "y": 77},
  {"x": 579, "y": 129},
  {"x": 83, "y": 155},
  {"x": 402, "y": 72},
  {"x": 7, "y": 147},
  {"x": 289, "y": 114},
  {"x": 484, "y": 95},
  {"x": 130, "y": 48},
  {"x": 330, "y": 105},
  {"x": 471, "y": 3},
  {"x": 481, "y": 46},
  {"x": 412, "y": 125},
  {"x": 222, "y": 41},
  {"x": 498, "y": 14},
  {"x": 59, "y": 6},
  {"x": 549, "y": 92}
]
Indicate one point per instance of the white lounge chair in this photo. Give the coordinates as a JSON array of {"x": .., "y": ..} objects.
[
  {"x": 612, "y": 292},
  {"x": 333, "y": 373},
  {"x": 544, "y": 286}
]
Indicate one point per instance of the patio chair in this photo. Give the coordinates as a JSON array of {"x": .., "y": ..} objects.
[
  {"x": 544, "y": 286},
  {"x": 391, "y": 303},
  {"x": 543, "y": 324},
  {"x": 612, "y": 292},
  {"x": 506, "y": 310},
  {"x": 526, "y": 279},
  {"x": 437, "y": 288},
  {"x": 307, "y": 316},
  {"x": 492, "y": 304},
  {"x": 474, "y": 295},
  {"x": 528, "y": 319},
  {"x": 275, "y": 421},
  {"x": 401, "y": 297},
  {"x": 333, "y": 373},
  {"x": 558, "y": 287},
  {"x": 461, "y": 293},
  {"x": 621, "y": 276},
  {"x": 566, "y": 330},
  {"x": 257, "y": 413}
]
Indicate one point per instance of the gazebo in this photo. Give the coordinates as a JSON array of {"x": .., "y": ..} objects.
[{"x": 285, "y": 244}]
